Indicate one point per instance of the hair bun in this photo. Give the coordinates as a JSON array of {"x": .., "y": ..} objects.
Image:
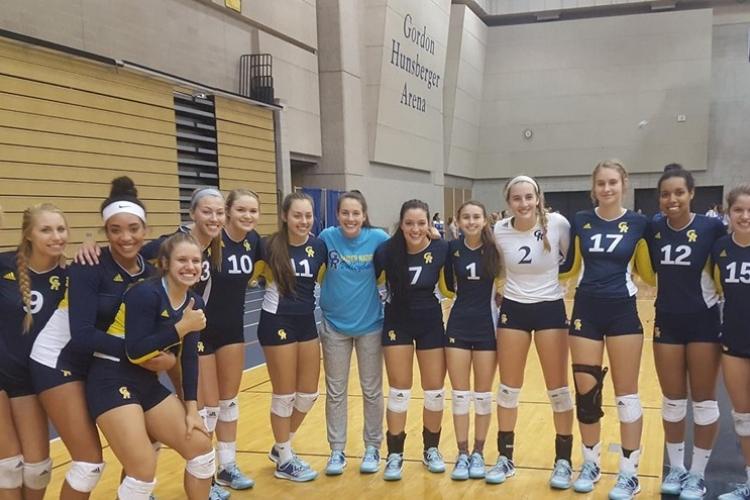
[
  {"x": 673, "y": 167},
  {"x": 123, "y": 186}
]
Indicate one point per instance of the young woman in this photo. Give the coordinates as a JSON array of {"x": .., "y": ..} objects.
[
  {"x": 32, "y": 283},
  {"x": 470, "y": 335},
  {"x": 293, "y": 261},
  {"x": 686, "y": 328},
  {"x": 533, "y": 242},
  {"x": 607, "y": 239},
  {"x": 129, "y": 403},
  {"x": 352, "y": 319},
  {"x": 731, "y": 256},
  {"x": 413, "y": 265}
]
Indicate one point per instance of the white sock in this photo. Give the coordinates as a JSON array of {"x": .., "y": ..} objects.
[
  {"x": 592, "y": 454},
  {"x": 285, "y": 451},
  {"x": 134, "y": 489},
  {"x": 747, "y": 471},
  {"x": 291, "y": 436},
  {"x": 226, "y": 453},
  {"x": 629, "y": 465},
  {"x": 676, "y": 454},
  {"x": 700, "y": 460}
]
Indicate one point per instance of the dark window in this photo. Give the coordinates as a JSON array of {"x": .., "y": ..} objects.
[{"x": 568, "y": 202}]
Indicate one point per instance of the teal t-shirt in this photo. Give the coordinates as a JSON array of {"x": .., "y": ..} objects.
[{"x": 349, "y": 295}]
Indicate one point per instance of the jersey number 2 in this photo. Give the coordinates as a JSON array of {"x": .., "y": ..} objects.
[{"x": 526, "y": 259}]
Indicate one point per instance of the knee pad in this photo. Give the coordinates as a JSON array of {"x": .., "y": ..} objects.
[
  {"x": 434, "y": 400},
  {"x": 210, "y": 416},
  {"x": 461, "y": 401},
  {"x": 589, "y": 405},
  {"x": 705, "y": 412},
  {"x": 398, "y": 400},
  {"x": 11, "y": 473},
  {"x": 133, "y": 489},
  {"x": 507, "y": 397},
  {"x": 229, "y": 410},
  {"x": 282, "y": 405},
  {"x": 84, "y": 476},
  {"x": 483, "y": 403},
  {"x": 629, "y": 408},
  {"x": 741, "y": 423},
  {"x": 304, "y": 401},
  {"x": 673, "y": 410},
  {"x": 202, "y": 466},
  {"x": 560, "y": 399},
  {"x": 37, "y": 476}
]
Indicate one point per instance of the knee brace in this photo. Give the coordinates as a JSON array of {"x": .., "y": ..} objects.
[
  {"x": 84, "y": 476},
  {"x": 37, "y": 476},
  {"x": 507, "y": 397},
  {"x": 560, "y": 399},
  {"x": 282, "y": 405},
  {"x": 629, "y": 408},
  {"x": 133, "y": 489},
  {"x": 461, "y": 401},
  {"x": 210, "y": 415},
  {"x": 589, "y": 405},
  {"x": 398, "y": 400},
  {"x": 229, "y": 410},
  {"x": 434, "y": 400},
  {"x": 741, "y": 424},
  {"x": 11, "y": 473},
  {"x": 304, "y": 401},
  {"x": 202, "y": 466},
  {"x": 673, "y": 410},
  {"x": 705, "y": 412},
  {"x": 483, "y": 403}
]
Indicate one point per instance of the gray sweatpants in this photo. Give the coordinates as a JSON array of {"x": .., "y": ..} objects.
[{"x": 337, "y": 355}]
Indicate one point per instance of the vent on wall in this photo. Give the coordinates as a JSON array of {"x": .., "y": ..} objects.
[{"x": 256, "y": 77}]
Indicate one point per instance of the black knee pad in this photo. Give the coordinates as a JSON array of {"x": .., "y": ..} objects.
[{"x": 589, "y": 405}]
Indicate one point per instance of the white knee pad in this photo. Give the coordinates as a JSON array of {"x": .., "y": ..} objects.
[
  {"x": 434, "y": 400},
  {"x": 673, "y": 410},
  {"x": 629, "y": 408},
  {"x": 229, "y": 410},
  {"x": 741, "y": 423},
  {"x": 483, "y": 403},
  {"x": 202, "y": 466},
  {"x": 460, "y": 402},
  {"x": 210, "y": 416},
  {"x": 37, "y": 476},
  {"x": 11, "y": 473},
  {"x": 560, "y": 399},
  {"x": 304, "y": 401},
  {"x": 507, "y": 397},
  {"x": 84, "y": 476},
  {"x": 133, "y": 489},
  {"x": 705, "y": 412},
  {"x": 282, "y": 405},
  {"x": 398, "y": 400}
]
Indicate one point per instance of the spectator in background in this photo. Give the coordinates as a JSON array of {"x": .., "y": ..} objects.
[{"x": 451, "y": 230}]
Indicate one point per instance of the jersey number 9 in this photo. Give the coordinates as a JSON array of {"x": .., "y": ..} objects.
[{"x": 36, "y": 303}]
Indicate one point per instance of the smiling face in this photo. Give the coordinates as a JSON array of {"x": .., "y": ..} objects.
[
  {"x": 739, "y": 215},
  {"x": 209, "y": 216},
  {"x": 415, "y": 226},
  {"x": 125, "y": 233},
  {"x": 609, "y": 185},
  {"x": 184, "y": 264},
  {"x": 244, "y": 213},
  {"x": 299, "y": 219},
  {"x": 674, "y": 198},
  {"x": 472, "y": 220},
  {"x": 351, "y": 217},
  {"x": 48, "y": 235},
  {"x": 523, "y": 201}
]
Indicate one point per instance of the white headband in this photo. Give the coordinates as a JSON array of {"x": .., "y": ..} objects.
[
  {"x": 202, "y": 193},
  {"x": 123, "y": 207},
  {"x": 520, "y": 178}
]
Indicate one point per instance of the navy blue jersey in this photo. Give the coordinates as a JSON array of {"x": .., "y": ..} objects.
[
  {"x": 475, "y": 292},
  {"x": 733, "y": 263},
  {"x": 150, "y": 252},
  {"x": 681, "y": 259},
  {"x": 309, "y": 264},
  {"x": 607, "y": 249},
  {"x": 427, "y": 269},
  {"x": 47, "y": 290}
]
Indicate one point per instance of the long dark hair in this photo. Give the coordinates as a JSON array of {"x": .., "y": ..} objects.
[
  {"x": 359, "y": 198},
  {"x": 492, "y": 263},
  {"x": 277, "y": 257},
  {"x": 396, "y": 266}
]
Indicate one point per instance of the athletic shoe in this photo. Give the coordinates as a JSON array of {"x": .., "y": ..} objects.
[
  {"x": 295, "y": 470},
  {"x": 626, "y": 487},
  {"x": 218, "y": 493},
  {"x": 476, "y": 466},
  {"x": 394, "y": 464},
  {"x": 273, "y": 456},
  {"x": 562, "y": 475},
  {"x": 589, "y": 475},
  {"x": 336, "y": 463},
  {"x": 672, "y": 483},
  {"x": 461, "y": 469},
  {"x": 233, "y": 477},
  {"x": 370, "y": 460},
  {"x": 433, "y": 460},
  {"x": 501, "y": 471},
  {"x": 741, "y": 493},
  {"x": 694, "y": 488}
]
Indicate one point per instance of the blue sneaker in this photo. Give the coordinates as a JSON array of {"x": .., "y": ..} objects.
[
  {"x": 502, "y": 470},
  {"x": 336, "y": 463},
  {"x": 273, "y": 456},
  {"x": 295, "y": 470},
  {"x": 370, "y": 461},
  {"x": 232, "y": 476},
  {"x": 694, "y": 488},
  {"x": 589, "y": 475},
  {"x": 476, "y": 466},
  {"x": 673, "y": 481},
  {"x": 461, "y": 469},
  {"x": 741, "y": 493},
  {"x": 433, "y": 460},
  {"x": 626, "y": 487},
  {"x": 562, "y": 475},
  {"x": 218, "y": 493},
  {"x": 394, "y": 464}
]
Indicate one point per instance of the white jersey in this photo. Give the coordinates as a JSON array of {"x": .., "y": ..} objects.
[{"x": 531, "y": 272}]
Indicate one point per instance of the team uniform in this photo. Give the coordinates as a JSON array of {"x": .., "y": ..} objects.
[
  {"x": 532, "y": 297},
  {"x": 47, "y": 290},
  {"x": 421, "y": 321},
  {"x": 733, "y": 266},
  {"x": 687, "y": 300},
  {"x": 291, "y": 318}
]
